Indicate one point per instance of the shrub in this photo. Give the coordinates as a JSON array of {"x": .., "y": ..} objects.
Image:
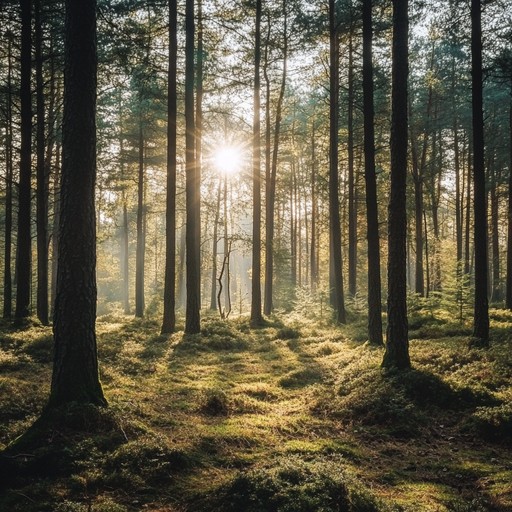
[{"x": 292, "y": 484}]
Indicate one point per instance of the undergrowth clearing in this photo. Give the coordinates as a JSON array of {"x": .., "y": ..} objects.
[{"x": 294, "y": 417}]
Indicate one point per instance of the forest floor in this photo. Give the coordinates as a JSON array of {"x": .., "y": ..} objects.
[{"x": 294, "y": 417}]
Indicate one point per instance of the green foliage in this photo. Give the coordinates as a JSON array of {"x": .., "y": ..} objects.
[
  {"x": 292, "y": 484},
  {"x": 493, "y": 423},
  {"x": 295, "y": 415}
]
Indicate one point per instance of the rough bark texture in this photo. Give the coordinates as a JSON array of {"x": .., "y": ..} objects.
[
  {"x": 75, "y": 371},
  {"x": 169, "y": 319},
  {"x": 193, "y": 222},
  {"x": 374, "y": 281},
  {"x": 23, "y": 251},
  {"x": 256, "y": 315},
  {"x": 397, "y": 343},
  {"x": 481, "y": 312},
  {"x": 334, "y": 201}
]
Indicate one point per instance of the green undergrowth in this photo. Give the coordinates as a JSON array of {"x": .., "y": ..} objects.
[{"x": 294, "y": 416}]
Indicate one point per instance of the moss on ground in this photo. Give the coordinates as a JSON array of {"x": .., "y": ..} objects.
[{"x": 294, "y": 416}]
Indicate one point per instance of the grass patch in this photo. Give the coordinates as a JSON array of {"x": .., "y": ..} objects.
[
  {"x": 293, "y": 416},
  {"x": 292, "y": 484}
]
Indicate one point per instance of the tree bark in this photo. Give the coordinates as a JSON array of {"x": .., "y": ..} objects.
[
  {"x": 7, "y": 307},
  {"x": 169, "y": 318},
  {"x": 141, "y": 242},
  {"x": 256, "y": 314},
  {"x": 192, "y": 190},
  {"x": 213, "y": 295},
  {"x": 481, "y": 311},
  {"x": 509, "y": 232},
  {"x": 42, "y": 177},
  {"x": 271, "y": 195},
  {"x": 352, "y": 210},
  {"x": 23, "y": 250},
  {"x": 372, "y": 220},
  {"x": 397, "y": 343},
  {"x": 336, "y": 264},
  {"x": 75, "y": 371},
  {"x": 314, "y": 210}
]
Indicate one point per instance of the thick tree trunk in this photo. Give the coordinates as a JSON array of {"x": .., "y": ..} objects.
[
  {"x": 256, "y": 314},
  {"x": 374, "y": 281},
  {"x": 397, "y": 343},
  {"x": 192, "y": 187},
  {"x": 24, "y": 250},
  {"x": 481, "y": 312},
  {"x": 75, "y": 370},
  {"x": 336, "y": 264},
  {"x": 42, "y": 177},
  {"x": 169, "y": 318}
]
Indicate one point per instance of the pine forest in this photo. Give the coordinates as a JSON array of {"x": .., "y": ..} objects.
[{"x": 256, "y": 255}]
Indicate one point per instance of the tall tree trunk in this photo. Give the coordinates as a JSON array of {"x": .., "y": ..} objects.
[
  {"x": 192, "y": 186},
  {"x": 372, "y": 221},
  {"x": 227, "y": 251},
  {"x": 124, "y": 249},
  {"x": 293, "y": 227},
  {"x": 169, "y": 318},
  {"x": 352, "y": 210},
  {"x": 199, "y": 120},
  {"x": 334, "y": 202},
  {"x": 256, "y": 314},
  {"x": 270, "y": 204},
  {"x": 509, "y": 232},
  {"x": 55, "y": 227},
  {"x": 458, "y": 191},
  {"x": 467, "y": 251},
  {"x": 23, "y": 250},
  {"x": 213, "y": 295},
  {"x": 397, "y": 343},
  {"x": 42, "y": 177},
  {"x": 314, "y": 210},
  {"x": 481, "y": 312},
  {"x": 75, "y": 369},
  {"x": 7, "y": 309},
  {"x": 495, "y": 240},
  {"x": 51, "y": 145},
  {"x": 141, "y": 242}
]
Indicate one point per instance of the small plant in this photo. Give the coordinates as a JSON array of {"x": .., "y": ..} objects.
[{"x": 215, "y": 402}]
